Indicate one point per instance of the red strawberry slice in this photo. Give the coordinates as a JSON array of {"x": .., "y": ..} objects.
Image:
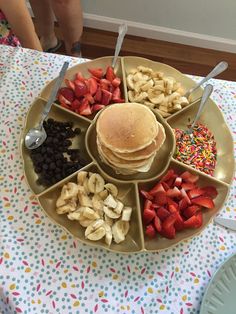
[
  {"x": 168, "y": 229},
  {"x": 185, "y": 196},
  {"x": 90, "y": 98},
  {"x": 178, "y": 181},
  {"x": 157, "y": 188},
  {"x": 65, "y": 106},
  {"x": 67, "y": 93},
  {"x": 195, "y": 193},
  {"x": 106, "y": 97},
  {"x": 188, "y": 186},
  {"x": 116, "y": 94},
  {"x": 79, "y": 77},
  {"x": 97, "y": 107},
  {"x": 210, "y": 191},
  {"x": 179, "y": 223},
  {"x": 150, "y": 231},
  {"x": 189, "y": 177},
  {"x": 171, "y": 202},
  {"x": 173, "y": 193},
  {"x": 98, "y": 95},
  {"x": 154, "y": 206},
  {"x": 116, "y": 82},
  {"x": 160, "y": 198},
  {"x": 63, "y": 100},
  {"x": 183, "y": 204},
  {"x": 70, "y": 84},
  {"x": 194, "y": 221},
  {"x": 203, "y": 201},
  {"x": 157, "y": 224},
  {"x": 169, "y": 175},
  {"x": 148, "y": 216},
  {"x": 75, "y": 104},
  {"x": 97, "y": 72},
  {"x": 146, "y": 195},
  {"x": 110, "y": 75},
  {"x": 92, "y": 86},
  {"x": 191, "y": 210},
  {"x": 85, "y": 109},
  {"x": 147, "y": 204},
  {"x": 162, "y": 213},
  {"x": 118, "y": 100},
  {"x": 165, "y": 186},
  {"x": 80, "y": 89},
  {"x": 172, "y": 209}
]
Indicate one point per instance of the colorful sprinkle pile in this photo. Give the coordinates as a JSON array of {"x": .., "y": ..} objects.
[{"x": 198, "y": 149}]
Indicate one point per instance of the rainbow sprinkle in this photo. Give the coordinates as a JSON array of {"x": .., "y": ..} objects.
[{"x": 198, "y": 149}]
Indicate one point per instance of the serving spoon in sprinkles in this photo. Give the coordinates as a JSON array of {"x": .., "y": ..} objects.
[{"x": 196, "y": 146}]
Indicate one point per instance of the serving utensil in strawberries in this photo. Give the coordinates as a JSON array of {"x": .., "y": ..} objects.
[
  {"x": 36, "y": 136},
  {"x": 122, "y": 31},
  {"x": 219, "y": 68}
]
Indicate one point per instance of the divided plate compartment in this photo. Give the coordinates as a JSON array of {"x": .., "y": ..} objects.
[{"x": 129, "y": 186}]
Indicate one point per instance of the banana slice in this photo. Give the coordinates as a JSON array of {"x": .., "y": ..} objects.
[
  {"x": 81, "y": 176},
  {"x": 112, "y": 189},
  {"x": 60, "y": 201},
  {"x": 103, "y": 194},
  {"x": 143, "y": 69},
  {"x": 96, "y": 183},
  {"x": 126, "y": 214},
  {"x": 119, "y": 207},
  {"x": 108, "y": 235},
  {"x": 183, "y": 101},
  {"x": 65, "y": 209},
  {"x": 131, "y": 95},
  {"x": 97, "y": 235},
  {"x": 85, "y": 222},
  {"x": 108, "y": 220},
  {"x": 74, "y": 215},
  {"x": 140, "y": 97},
  {"x": 97, "y": 203},
  {"x": 72, "y": 190},
  {"x": 90, "y": 213},
  {"x": 119, "y": 230},
  {"x": 156, "y": 99},
  {"x": 130, "y": 82},
  {"x": 110, "y": 213},
  {"x": 94, "y": 226},
  {"x": 84, "y": 199},
  {"x": 149, "y": 84},
  {"x": 110, "y": 201}
]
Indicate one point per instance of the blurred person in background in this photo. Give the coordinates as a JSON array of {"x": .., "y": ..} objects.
[
  {"x": 70, "y": 19},
  {"x": 16, "y": 26}
]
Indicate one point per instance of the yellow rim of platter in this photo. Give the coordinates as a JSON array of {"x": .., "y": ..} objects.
[{"x": 186, "y": 82}]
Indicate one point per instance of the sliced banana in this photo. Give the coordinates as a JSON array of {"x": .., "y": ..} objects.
[
  {"x": 96, "y": 183},
  {"x": 76, "y": 215},
  {"x": 65, "y": 209},
  {"x": 119, "y": 207},
  {"x": 81, "y": 176},
  {"x": 84, "y": 199},
  {"x": 94, "y": 226},
  {"x": 119, "y": 230},
  {"x": 126, "y": 214},
  {"x": 112, "y": 189},
  {"x": 85, "y": 222},
  {"x": 90, "y": 213},
  {"x": 110, "y": 213},
  {"x": 60, "y": 201},
  {"x": 108, "y": 220},
  {"x": 110, "y": 201},
  {"x": 97, "y": 234},
  {"x": 108, "y": 235},
  {"x": 103, "y": 194}
]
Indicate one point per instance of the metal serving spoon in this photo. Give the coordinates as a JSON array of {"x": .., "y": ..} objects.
[
  {"x": 36, "y": 136},
  {"x": 122, "y": 31},
  {"x": 219, "y": 68},
  {"x": 206, "y": 94}
]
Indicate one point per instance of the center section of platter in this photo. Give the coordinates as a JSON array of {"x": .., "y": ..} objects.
[{"x": 128, "y": 141}]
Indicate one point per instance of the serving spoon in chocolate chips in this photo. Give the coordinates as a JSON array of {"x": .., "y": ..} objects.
[{"x": 36, "y": 136}]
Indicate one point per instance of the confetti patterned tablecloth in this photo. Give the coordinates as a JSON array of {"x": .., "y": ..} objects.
[{"x": 45, "y": 270}]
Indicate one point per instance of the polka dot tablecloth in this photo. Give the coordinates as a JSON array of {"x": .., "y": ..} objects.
[{"x": 45, "y": 270}]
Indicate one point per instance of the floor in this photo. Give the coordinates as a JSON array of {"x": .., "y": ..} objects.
[{"x": 187, "y": 59}]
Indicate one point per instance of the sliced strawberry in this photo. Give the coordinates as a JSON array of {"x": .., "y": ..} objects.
[
  {"x": 173, "y": 193},
  {"x": 162, "y": 213},
  {"x": 70, "y": 84},
  {"x": 148, "y": 216},
  {"x": 116, "y": 93},
  {"x": 178, "y": 181},
  {"x": 203, "y": 201},
  {"x": 183, "y": 204},
  {"x": 189, "y": 177},
  {"x": 97, "y": 72},
  {"x": 79, "y": 77},
  {"x": 172, "y": 209},
  {"x": 85, "y": 109},
  {"x": 157, "y": 188},
  {"x": 97, "y": 107},
  {"x": 65, "y": 106},
  {"x": 194, "y": 221},
  {"x": 67, "y": 93},
  {"x": 170, "y": 182},
  {"x": 165, "y": 186},
  {"x": 63, "y": 100},
  {"x": 119, "y": 100},
  {"x": 185, "y": 196},
  {"x": 210, "y": 191},
  {"x": 90, "y": 98},
  {"x": 93, "y": 86},
  {"x": 168, "y": 229},
  {"x": 171, "y": 202},
  {"x": 147, "y": 205},
  {"x": 75, "y": 104},
  {"x": 80, "y": 89},
  {"x": 110, "y": 75},
  {"x": 179, "y": 223},
  {"x": 98, "y": 95},
  {"x": 191, "y": 210},
  {"x": 146, "y": 195},
  {"x": 150, "y": 231},
  {"x": 160, "y": 198},
  {"x": 157, "y": 224},
  {"x": 169, "y": 175},
  {"x": 106, "y": 97},
  {"x": 195, "y": 193},
  {"x": 116, "y": 82},
  {"x": 154, "y": 206},
  {"x": 188, "y": 186}
]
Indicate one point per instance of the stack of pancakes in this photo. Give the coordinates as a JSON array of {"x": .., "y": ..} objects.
[{"x": 128, "y": 137}]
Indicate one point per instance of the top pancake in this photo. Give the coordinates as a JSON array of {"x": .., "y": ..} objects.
[{"x": 126, "y": 128}]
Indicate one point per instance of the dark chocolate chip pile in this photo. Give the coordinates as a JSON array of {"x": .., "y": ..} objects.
[{"x": 54, "y": 159}]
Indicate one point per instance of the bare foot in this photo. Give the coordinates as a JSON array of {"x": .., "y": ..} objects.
[{"x": 48, "y": 42}]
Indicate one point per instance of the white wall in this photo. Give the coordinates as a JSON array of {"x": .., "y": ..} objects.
[{"x": 209, "y": 19}]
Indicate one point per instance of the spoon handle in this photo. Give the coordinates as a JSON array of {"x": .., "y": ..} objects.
[
  {"x": 206, "y": 94},
  {"x": 53, "y": 94},
  {"x": 122, "y": 31},
  {"x": 219, "y": 68}
]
